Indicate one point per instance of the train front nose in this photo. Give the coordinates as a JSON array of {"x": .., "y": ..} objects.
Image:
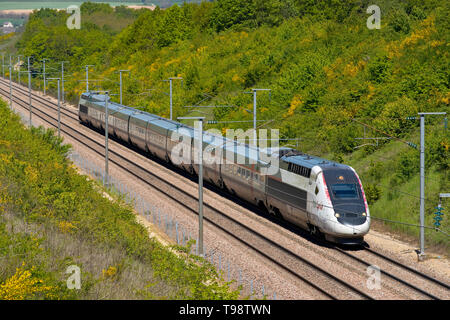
[
  {"x": 351, "y": 215},
  {"x": 350, "y": 224}
]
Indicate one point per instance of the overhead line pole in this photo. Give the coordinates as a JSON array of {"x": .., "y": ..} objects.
[
  {"x": 422, "y": 180},
  {"x": 107, "y": 97},
  {"x": 254, "y": 91},
  {"x": 106, "y": 138},
  {"x": 62, "y": 80},
  {"x": 29, "y": 83},
  {"x": 10, "y": 63},
  {"x": 87, "y": 76},
  {"x": 200, "y": 179},
  {"x": 120, "y": 72},
  {"x": 18, "y": 62},
  {"x": 171, "y": 100},
  {"x": 3, "y": 65},
  {"x": 44, "y": 60},
  {"x": 29, "y": 92},
  {"x": 59, "y": 106},
  {"x": 10, "y": 87}
]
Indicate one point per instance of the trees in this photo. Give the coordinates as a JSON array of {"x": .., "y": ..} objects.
[{"x": 227, "y": 13}]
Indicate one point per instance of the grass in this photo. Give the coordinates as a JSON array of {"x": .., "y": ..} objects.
[{"x": 58, "y": 250}]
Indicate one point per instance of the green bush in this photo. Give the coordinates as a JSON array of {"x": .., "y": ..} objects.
[
  {"x": 400, "y": 22},
  {"x": 373, "y": 193}
]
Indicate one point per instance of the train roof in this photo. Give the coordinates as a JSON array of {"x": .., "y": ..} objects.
[
  {"x": 309, "y": 161},
  {"x": 285, "y": 154}
]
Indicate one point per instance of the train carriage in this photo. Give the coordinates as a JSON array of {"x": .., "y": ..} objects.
[
  {"x": 157, "y": 137},
  {"x": 212, "y": 158},
  {"x": 137, "y": 128},
  {"x": 180, "y": 144},
  {"x": 314, "y": 193},
  {"x": 121, "y": 122}
]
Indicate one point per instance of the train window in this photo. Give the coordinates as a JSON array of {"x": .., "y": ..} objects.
[
  {"x": 300, "y": 170},
  {"x": 239, "y": 170},
  {"x": 83, "y": 109},
  {"x": 345, "y": 191},
  {"x": 248, "y": 174},
  {"x": 256, "y": 177}
]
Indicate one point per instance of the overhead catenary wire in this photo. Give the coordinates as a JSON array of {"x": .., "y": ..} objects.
[
  {"x": 384, "y": 186},
  {"x": 440, "y": 230}
]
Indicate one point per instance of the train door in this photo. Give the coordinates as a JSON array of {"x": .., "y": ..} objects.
[{"x": 316, "y": 205}]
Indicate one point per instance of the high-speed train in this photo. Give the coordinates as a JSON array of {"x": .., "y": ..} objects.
[{"x": 318, "y": 195}]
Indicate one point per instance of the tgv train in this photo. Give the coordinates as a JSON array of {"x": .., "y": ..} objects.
[{"x": 318, "y": 195}]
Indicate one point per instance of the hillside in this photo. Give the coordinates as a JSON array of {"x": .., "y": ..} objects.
[
  {"x": 324, "y": 66},
  {"x": 52, "y": 218}
]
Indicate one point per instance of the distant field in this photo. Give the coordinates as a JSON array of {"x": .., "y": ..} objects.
[
  {"x": 15, "y": 5},
  {"x": 15, "y": 22}
]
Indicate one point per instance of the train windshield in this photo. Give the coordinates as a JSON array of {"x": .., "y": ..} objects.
[{"x": 345, "y": 191}]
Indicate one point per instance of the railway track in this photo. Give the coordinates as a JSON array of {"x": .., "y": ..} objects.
[
  {"x": 398, "y": 272},
  {"x": 332, "y": 287},
  {"x": 302, "y": 269}
]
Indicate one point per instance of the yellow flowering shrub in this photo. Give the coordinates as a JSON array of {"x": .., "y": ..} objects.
[
  {"x": 109, "y": 273},
  {"x": 350, "y": 69},
  {"x": 176, "y": 60},
  {"x": 7, "y": 36},
  {"x": 23, "y": 285},
  {"x": 296, "y": 101},
  {"x": 202, "y": 49},
  {"x": 371, "y": 91},
  {"x": 224, "y": 131},
  {"x": 31, "y": 174},
  {"x": 424, "y": 33},
  {"x": 446, "y": 99},
  {"x": 66, "y": 226},
  {"x": 237, "y": 78}
]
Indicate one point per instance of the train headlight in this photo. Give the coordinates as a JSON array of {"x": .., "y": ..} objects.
[
  {"x": 337, "y": 215},
  {"x": 364, "y": 214}
]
